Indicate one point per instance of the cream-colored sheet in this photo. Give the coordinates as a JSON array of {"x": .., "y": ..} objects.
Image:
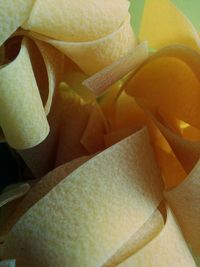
[
  {"x": 22, "y": 115},
  {"x": 95, "y": 212},
  {"x": 167, "y": 249}
]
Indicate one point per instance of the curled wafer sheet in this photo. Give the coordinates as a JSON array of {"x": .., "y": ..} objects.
[
  {"x": 41, "y": 158},
  {"x": 184, "y": 196},
  {"x": 187, "y": 151},
  {"x": 38, "y": 191},
  {"x": 176, "y": 155},
  {"x": 174, "y": 101},
  {"x": 48, "y": 67},
  {"x": 184, "y": 200},
  {"x": 142, "y": 237},
  {"x": 172, "y": 78},
  {"x": 108, "y": 76},
  {"x": 22, "y": 115},
  {"x": 167, "y": 249},
  {"x": 13, "y": 14},
  {"x": 68, "y": 120},
  {"x": 183, "y": 52},
  {"x": 77, "y": 21},
  {"x": 172, "y": 171},
  {"x": 174, "y": 27},
  {"x": 88, "y": 216},
  {"x": 180, "y": 88},
  {"x": 92, "y": 56},
  {"x": 54, "y": 62}
]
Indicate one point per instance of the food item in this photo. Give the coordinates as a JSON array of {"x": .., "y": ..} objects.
[
  {"x": 101, "y": 43},
  {"x": 109, "y": 126}
]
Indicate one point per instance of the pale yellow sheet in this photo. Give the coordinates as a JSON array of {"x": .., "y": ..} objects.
[
  {"x": 77, "y": 21},
  {"x": 92, "y": 33},
  {"x": 37, "y": 192},
  {"x": 13, "y": 14},
  {"x": 184, "y": 200},
  {"x": 68, "y": 120},
  {"x": 95, "y": 212},
  {"x": 163, "y": 24},
  {"x": 99, "y": 34},
  {"x": 22, "y": 115},
  {"x": 109, "y": 75},
  {"x": 167, "y": 249},
  {"x": 148, "y": 231},
  {"x": 41, "y": 158},
  {"x": 92, "y": 56},
  {"x": 101, "y": 211}
]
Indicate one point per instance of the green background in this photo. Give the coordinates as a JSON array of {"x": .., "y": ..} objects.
[{"x": 191, "y": 8}]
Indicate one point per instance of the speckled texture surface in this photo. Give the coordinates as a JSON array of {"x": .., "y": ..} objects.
[
  {"x": 93, "y": 56},
  {"x": 168, "y": 248},
  {"x": 187, "y": 195},
  {"x": 92, "y": 212},
  {"x": 22, "y": 115},
  {"x": 39, "y": 190},
  {"x": 12, "y": 14},
  {"x": 77, "y": 21},
  {"x": 147, "y": 232}
]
